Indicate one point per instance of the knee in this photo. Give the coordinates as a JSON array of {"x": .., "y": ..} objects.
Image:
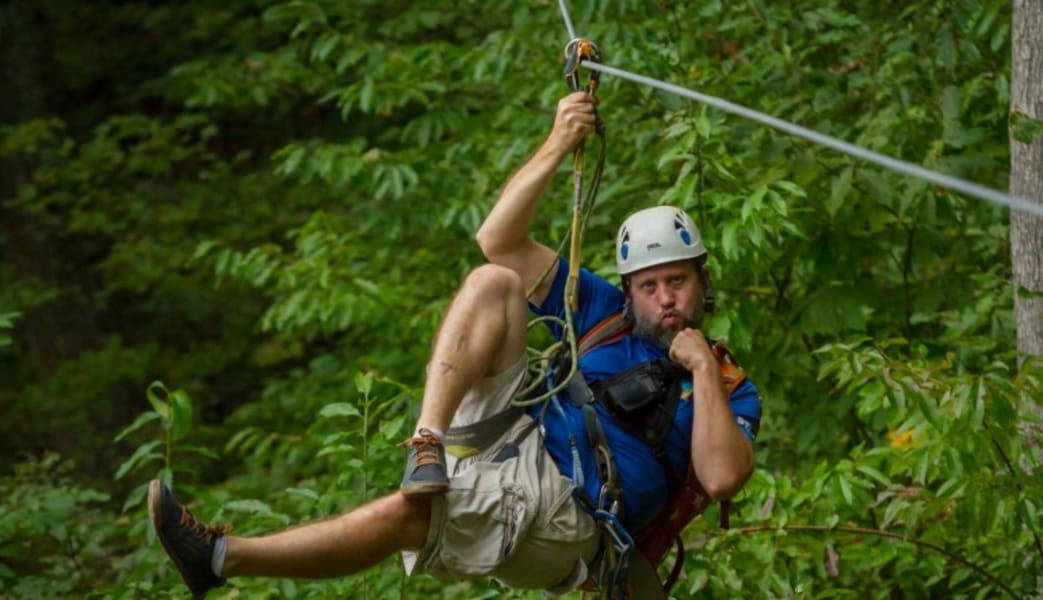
[
  {"x": 491, "y": 280},
  {"x": 413, "y": 518}
]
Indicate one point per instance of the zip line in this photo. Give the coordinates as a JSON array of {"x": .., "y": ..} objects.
[
  {"x": 568, "y": 20},
  {"x": 946, "y": 181}
]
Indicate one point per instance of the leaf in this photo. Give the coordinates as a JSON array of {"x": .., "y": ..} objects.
[
  {"x": 873, "y": 474},
  {"x": 337, "y": 449},
  {"x": 181, "y": 414},
  {"x": 201, "y": 450},
  {"x": 792, "y": 188},
  {"x": 136, "y": 498},
  {"x": 878, "y": 186},
  {"x": 839, "y": 191},
  {"x": 951, "y": 103},
  {"x": 1024, "y": 128},
  {"x": 978, "y": 391},
  {"x": 158, "y": 396},
  {"x": 142, "y": 420},
  {"x": 365, "y": 98},
  {"x": 304, "y": 492},
  {"x": 339, "y": 409},
  {"x": 845, "y": 490},
  {"x": 248, "y": 506},
  {"x": 753, "y": 202},
  {"x": 1027, "y": 294},
  {"x": 364, "y": 382},
  {"x": 142, "y": 455},
  {"x": 391, "y": 429}
]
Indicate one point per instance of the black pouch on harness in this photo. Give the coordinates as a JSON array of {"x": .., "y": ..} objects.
[{"x": 643, "y": 398}]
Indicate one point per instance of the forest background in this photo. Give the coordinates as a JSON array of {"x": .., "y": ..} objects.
[{"x": 229, "y": 229}]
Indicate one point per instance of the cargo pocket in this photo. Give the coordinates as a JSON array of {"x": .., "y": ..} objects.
[
  {"x": 484, "y": 527},
  {"x": 562, "y": 519}
]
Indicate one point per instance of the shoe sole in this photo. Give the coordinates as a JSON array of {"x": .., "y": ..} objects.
[
  {"x": 415, "y": 490},
  {"x": 155, "y": 515}
]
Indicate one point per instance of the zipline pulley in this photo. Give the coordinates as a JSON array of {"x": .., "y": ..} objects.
[{"x": 576, "y": 51}]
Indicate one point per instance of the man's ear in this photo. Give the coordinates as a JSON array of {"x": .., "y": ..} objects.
[
  {"x": 709, "y": 298},
  {"x": 628, "y": 309}
]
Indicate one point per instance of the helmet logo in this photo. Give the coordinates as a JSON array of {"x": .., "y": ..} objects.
[
  {"x": 624, "y": 245},
  {"x": 681, "y": 226}
]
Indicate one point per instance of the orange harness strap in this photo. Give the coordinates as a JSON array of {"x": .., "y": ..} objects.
[{"x": 691, "y": 500}]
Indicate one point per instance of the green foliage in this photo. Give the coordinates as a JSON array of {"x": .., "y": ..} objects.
[
  {"x": 6, "y": 322},
  {"x": 53, "y": 534},
  {"x": 173, "y": 412},
  {"x": 271, "y": 208}
]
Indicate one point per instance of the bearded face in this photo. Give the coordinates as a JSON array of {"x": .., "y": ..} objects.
[
  {"x": 666, "y": 299},
  {"x": 660, "y": 329}
]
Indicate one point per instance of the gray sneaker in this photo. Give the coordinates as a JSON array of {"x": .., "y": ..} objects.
[
  {"x": 425, "y": 470},
  {"x": 188, "y": 542}
]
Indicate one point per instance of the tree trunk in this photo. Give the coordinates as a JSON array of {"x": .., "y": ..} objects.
[{"x": 1026, "y": 174}]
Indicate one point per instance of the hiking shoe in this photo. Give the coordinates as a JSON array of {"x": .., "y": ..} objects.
[
  {"x": 188, "y": 542},
  {"x": 425, "y": 470}
]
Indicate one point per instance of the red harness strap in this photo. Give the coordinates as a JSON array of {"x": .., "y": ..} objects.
[{"x": 665, "y": 531}]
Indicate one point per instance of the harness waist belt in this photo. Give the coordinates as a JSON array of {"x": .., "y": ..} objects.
[{"x": 468, "y": 440}]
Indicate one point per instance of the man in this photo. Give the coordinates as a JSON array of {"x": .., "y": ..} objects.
[{"x": 505, "y": 512}]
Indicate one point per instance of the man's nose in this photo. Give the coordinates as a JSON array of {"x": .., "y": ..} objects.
[{"x": 666, "y": 297}]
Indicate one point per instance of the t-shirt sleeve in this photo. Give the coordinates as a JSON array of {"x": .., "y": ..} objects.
[
  {"x": 746, "y": 406},
  {"x": 597, "y": 300}
]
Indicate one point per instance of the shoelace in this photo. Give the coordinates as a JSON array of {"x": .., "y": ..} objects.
[
  {"x": 426, "y": 449},
  {"x": 196, "y": 527}
]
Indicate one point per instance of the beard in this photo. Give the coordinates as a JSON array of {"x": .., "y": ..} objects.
[{"x": 652, "y": 330}]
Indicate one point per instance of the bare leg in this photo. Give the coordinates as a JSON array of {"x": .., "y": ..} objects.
[
  {"x": 482, "y": 334},
  {"x": 335, "y": 547}
]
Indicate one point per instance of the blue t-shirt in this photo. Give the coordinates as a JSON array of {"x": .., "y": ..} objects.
[{"x": 645, "y": 488}]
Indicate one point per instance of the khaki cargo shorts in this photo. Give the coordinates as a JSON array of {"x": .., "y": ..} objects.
[{"x": 515, "y": 520}]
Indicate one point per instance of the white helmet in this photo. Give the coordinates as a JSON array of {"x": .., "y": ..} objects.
[{"x": 654, "y": 236}]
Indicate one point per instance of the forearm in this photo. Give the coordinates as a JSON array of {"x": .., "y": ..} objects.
[
  {"x": 722, "y": 457},
  {"x": 506, "y": 228}
]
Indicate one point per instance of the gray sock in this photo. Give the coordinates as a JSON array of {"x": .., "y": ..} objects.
[
  {"x": 438, "y": 432},
  {"x": 217, "y": 560}
]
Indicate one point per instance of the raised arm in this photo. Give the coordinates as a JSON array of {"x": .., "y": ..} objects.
[{"x": 504, "y": 236}]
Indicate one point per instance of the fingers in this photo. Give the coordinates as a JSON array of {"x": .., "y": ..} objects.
[
  {"x": 690, "y": 349},
  {"x": 575, "y": 119},
  {"x": 578, "y": 106}
]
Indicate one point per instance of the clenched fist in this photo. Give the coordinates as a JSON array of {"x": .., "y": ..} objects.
[
  {"x": 690, "y": 350},
  {"x": 575, "y": 119}
]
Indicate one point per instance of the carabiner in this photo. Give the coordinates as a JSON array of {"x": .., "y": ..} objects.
[{"x": 576, "y": 51}]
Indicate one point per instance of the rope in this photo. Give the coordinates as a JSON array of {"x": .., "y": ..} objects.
[
  {"x": 542, "y": 363},
  {"x": 947, "y": 181}
]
